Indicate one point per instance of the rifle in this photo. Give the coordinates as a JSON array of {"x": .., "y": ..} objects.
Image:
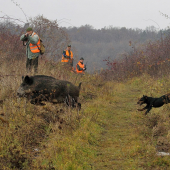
[
  {"x": 24, "y": 28},
  {"x": 85, "y": 66}
]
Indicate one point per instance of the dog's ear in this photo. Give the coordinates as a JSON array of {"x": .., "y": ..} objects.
[{"x": 145, "y": 96}]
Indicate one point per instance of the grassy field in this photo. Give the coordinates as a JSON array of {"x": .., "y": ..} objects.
[
  {"x": 108, "y": 133},
  {"x": 130, "y": 139}
]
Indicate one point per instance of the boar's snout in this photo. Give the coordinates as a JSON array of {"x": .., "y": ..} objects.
[{"x": 20, "y": 94}]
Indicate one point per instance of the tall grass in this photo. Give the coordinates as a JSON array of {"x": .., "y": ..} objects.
[
  {"x": 108, "y": 132},
  {"x": 34, "y": 136}
]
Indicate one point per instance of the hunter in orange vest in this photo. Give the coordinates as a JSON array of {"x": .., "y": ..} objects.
[
  {"x": 35, "y": 48},
  {"x": 32, "y": 42},
  {"x": 67, "y": 57},
  {"x": 80, "y": 67}
]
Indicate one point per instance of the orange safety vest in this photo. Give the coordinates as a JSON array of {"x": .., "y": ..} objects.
[
  {"x": 81, "y": 66},
  {"x": 67, "y": 59},
  {"x": 35, "y": 47}
]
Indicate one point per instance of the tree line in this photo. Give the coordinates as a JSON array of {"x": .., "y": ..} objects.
[{"x": 96, "y": 45}]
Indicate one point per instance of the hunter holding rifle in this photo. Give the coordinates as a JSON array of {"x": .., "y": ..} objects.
[
  {"x": 67, "y": 58},
  {"x": 32, "y": 42},
  {"x": 80, "y": 66}
]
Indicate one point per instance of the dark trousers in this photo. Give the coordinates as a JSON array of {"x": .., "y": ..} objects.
[{"x": 32, "y": 63}]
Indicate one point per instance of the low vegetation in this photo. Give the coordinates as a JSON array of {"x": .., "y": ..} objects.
[{"x": 108, "y": 133}]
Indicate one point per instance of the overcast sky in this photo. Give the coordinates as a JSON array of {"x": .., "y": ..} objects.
[{"x": 97, "y": 13}]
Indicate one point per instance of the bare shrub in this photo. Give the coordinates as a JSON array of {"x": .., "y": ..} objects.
[
  {"x": 152, "y": 58},
  {"x": 54, "y": 38}
]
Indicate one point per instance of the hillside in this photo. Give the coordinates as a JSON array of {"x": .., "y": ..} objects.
[
  {"x": 96, "y": 45},
  {"x": 108, "y": 133}
]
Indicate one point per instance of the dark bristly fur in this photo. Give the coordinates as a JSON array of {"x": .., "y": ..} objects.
[
  {"x": 153, "y": 102},
  {"x": 46, "y": 88}
]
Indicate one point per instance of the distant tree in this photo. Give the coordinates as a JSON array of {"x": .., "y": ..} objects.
[{"x": 95, "y": 45}]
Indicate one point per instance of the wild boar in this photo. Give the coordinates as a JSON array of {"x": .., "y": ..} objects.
[{"x": 46, "y": 88}]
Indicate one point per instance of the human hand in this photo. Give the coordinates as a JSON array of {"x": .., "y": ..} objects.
[{"x": 26, "y": 34}]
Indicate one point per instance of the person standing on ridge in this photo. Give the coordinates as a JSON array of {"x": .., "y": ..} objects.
[
  {"x": 32, "y": 42},
  {"x": 67, "y": 58}
]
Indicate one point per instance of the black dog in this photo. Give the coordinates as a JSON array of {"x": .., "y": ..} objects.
[{"x": 153, "y": 102}]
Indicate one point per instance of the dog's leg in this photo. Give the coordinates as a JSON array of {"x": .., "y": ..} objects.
[
  {"x": 146, "y": 107},
  {"x": 141, "y": 109},
  {"x": 148, "y": 110}
]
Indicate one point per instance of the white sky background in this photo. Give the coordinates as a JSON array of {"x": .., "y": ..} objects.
[{"x": 97, "y": 13}]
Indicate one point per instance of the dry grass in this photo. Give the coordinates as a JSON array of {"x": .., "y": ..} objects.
[{"x": 109, "y": 132}]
